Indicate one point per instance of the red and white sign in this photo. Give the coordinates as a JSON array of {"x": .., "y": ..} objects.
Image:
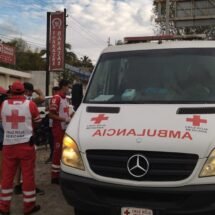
[
  {"x": 7, "y": 54},
  {"x": 196, "y": 120},
  {"x": 98, "y": 119},
  {"x": 57, "y": 41}
]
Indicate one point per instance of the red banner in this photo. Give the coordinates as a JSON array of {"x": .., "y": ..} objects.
[
  {"x": 7, "y": 54},
  {"x": 57, "y": 26}
]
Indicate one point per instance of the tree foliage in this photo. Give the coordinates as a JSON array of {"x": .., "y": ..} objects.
[
  {"x": 160, "y": 24},
  {"x": 32, "y": 60},
  {"x": 160, "y": 27},
  {"x": 26, "y": 59},
  {"x": 65, "y": 75}
]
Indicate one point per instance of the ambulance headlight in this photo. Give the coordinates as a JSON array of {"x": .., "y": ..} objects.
[
  {"x": 70, "y": 153},
  {"x": 209, "y": 167}
]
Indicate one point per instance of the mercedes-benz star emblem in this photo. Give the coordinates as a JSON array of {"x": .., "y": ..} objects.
[{"x": 137, "y": 165}]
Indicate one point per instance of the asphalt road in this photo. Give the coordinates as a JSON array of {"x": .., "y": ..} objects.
[{"x": 53, "y": 202}]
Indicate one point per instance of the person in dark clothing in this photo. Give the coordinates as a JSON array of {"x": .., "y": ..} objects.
[
  {"x": 3, "y": 96},
  {"x": 28, "y": 93},
  {"x": 55, "y": 91},
  {"x": 77, "y": 96},
  {"x": 29, "y": 90}
]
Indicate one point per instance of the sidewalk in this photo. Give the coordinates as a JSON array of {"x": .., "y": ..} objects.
[{"x": 53, "y": 202}]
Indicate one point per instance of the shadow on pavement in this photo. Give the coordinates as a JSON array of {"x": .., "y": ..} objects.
[{"x": 53, "y": 202}]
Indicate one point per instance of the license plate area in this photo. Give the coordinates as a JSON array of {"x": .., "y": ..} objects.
[{"x": 136, "y": 211}]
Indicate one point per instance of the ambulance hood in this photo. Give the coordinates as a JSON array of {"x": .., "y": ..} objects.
[{"x": 157, "y": 127}]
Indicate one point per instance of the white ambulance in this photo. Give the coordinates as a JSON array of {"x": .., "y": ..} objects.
[{"x": 142, "y": 142}]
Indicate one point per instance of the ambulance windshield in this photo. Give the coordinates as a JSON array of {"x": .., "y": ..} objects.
[{"x": 154, "y": 76}]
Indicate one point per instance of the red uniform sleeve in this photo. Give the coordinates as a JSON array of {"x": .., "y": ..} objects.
[
  {"x": 54, "y": 104},
  {"x": 34, "y": 112}
]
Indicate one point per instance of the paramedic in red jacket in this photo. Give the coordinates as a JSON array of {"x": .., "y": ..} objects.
[
  {"x": 59, "y": 112},
  {"x": 17, "y": 115}
]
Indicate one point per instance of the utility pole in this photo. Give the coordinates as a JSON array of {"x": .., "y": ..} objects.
[
  {"x": 47, "y": 54},
  {"x": 167, "y": 17},
  {"x": 65, "y": 25}
]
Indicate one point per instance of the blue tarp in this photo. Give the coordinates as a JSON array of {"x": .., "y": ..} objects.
[{"x": 83, "y": 75}]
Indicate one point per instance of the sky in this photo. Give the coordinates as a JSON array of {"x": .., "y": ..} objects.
[{"x": 90, "y": 23}]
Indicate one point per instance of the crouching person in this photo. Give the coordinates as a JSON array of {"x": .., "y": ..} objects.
[{"x": 18, "y": 116}]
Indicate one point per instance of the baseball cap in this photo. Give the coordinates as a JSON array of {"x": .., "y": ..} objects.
[
  {"x": 17, "y": 87},
  {"x": 3, "y": 91}
]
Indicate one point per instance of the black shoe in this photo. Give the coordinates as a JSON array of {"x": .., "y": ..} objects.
[
  {"x": 55, "y": 181},
  {"x": 18, "y": 189},
  {"x": 39, "y": 191},
  {"x": 33, "y": 210}
]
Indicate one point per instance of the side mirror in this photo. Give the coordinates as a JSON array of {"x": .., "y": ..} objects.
[{"x": 77, "y": 95}]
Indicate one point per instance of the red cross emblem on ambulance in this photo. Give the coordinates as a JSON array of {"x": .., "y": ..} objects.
[
  {"x": 15, "y": 119},
  {"x": 196, "y": 120},
  {"x": 126, "y": 212},
  {"x": 98, "y": 119}
]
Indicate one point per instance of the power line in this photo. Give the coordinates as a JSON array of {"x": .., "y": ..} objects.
[
  {"x": 37, "y": 45},
  {"x": 27, "y": 41},
  {"x": 75, "y": 28},
  {"x": 86, "y": 31},
  {"x": 88, "y": 35}
]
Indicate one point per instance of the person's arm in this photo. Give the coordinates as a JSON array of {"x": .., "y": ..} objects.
[
  {"x": 54, "y": 109},
  {"x": 36, "y": 119},
  {"x": 56, "y": 117},
  {"x": 40, "y": 97}
]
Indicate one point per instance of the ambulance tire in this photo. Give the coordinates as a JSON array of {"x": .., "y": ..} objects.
[{"x": 83, "y": 212}]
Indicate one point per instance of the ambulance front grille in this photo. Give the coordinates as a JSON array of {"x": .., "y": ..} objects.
[{"x": 163, "y": 166}]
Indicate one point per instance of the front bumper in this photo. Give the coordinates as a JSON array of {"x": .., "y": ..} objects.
[{"x": 97, "y": 196}]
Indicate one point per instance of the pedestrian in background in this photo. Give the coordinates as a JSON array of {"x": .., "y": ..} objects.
[
  {"x": 59, "y": 113},
  {"x": 55, "y": 91},
  {"x": 29, "y": 90},
  {"x": 28, "y": 93},
  {"x": 3, "y": 96},
  {"x": 17, "y": 115}
]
